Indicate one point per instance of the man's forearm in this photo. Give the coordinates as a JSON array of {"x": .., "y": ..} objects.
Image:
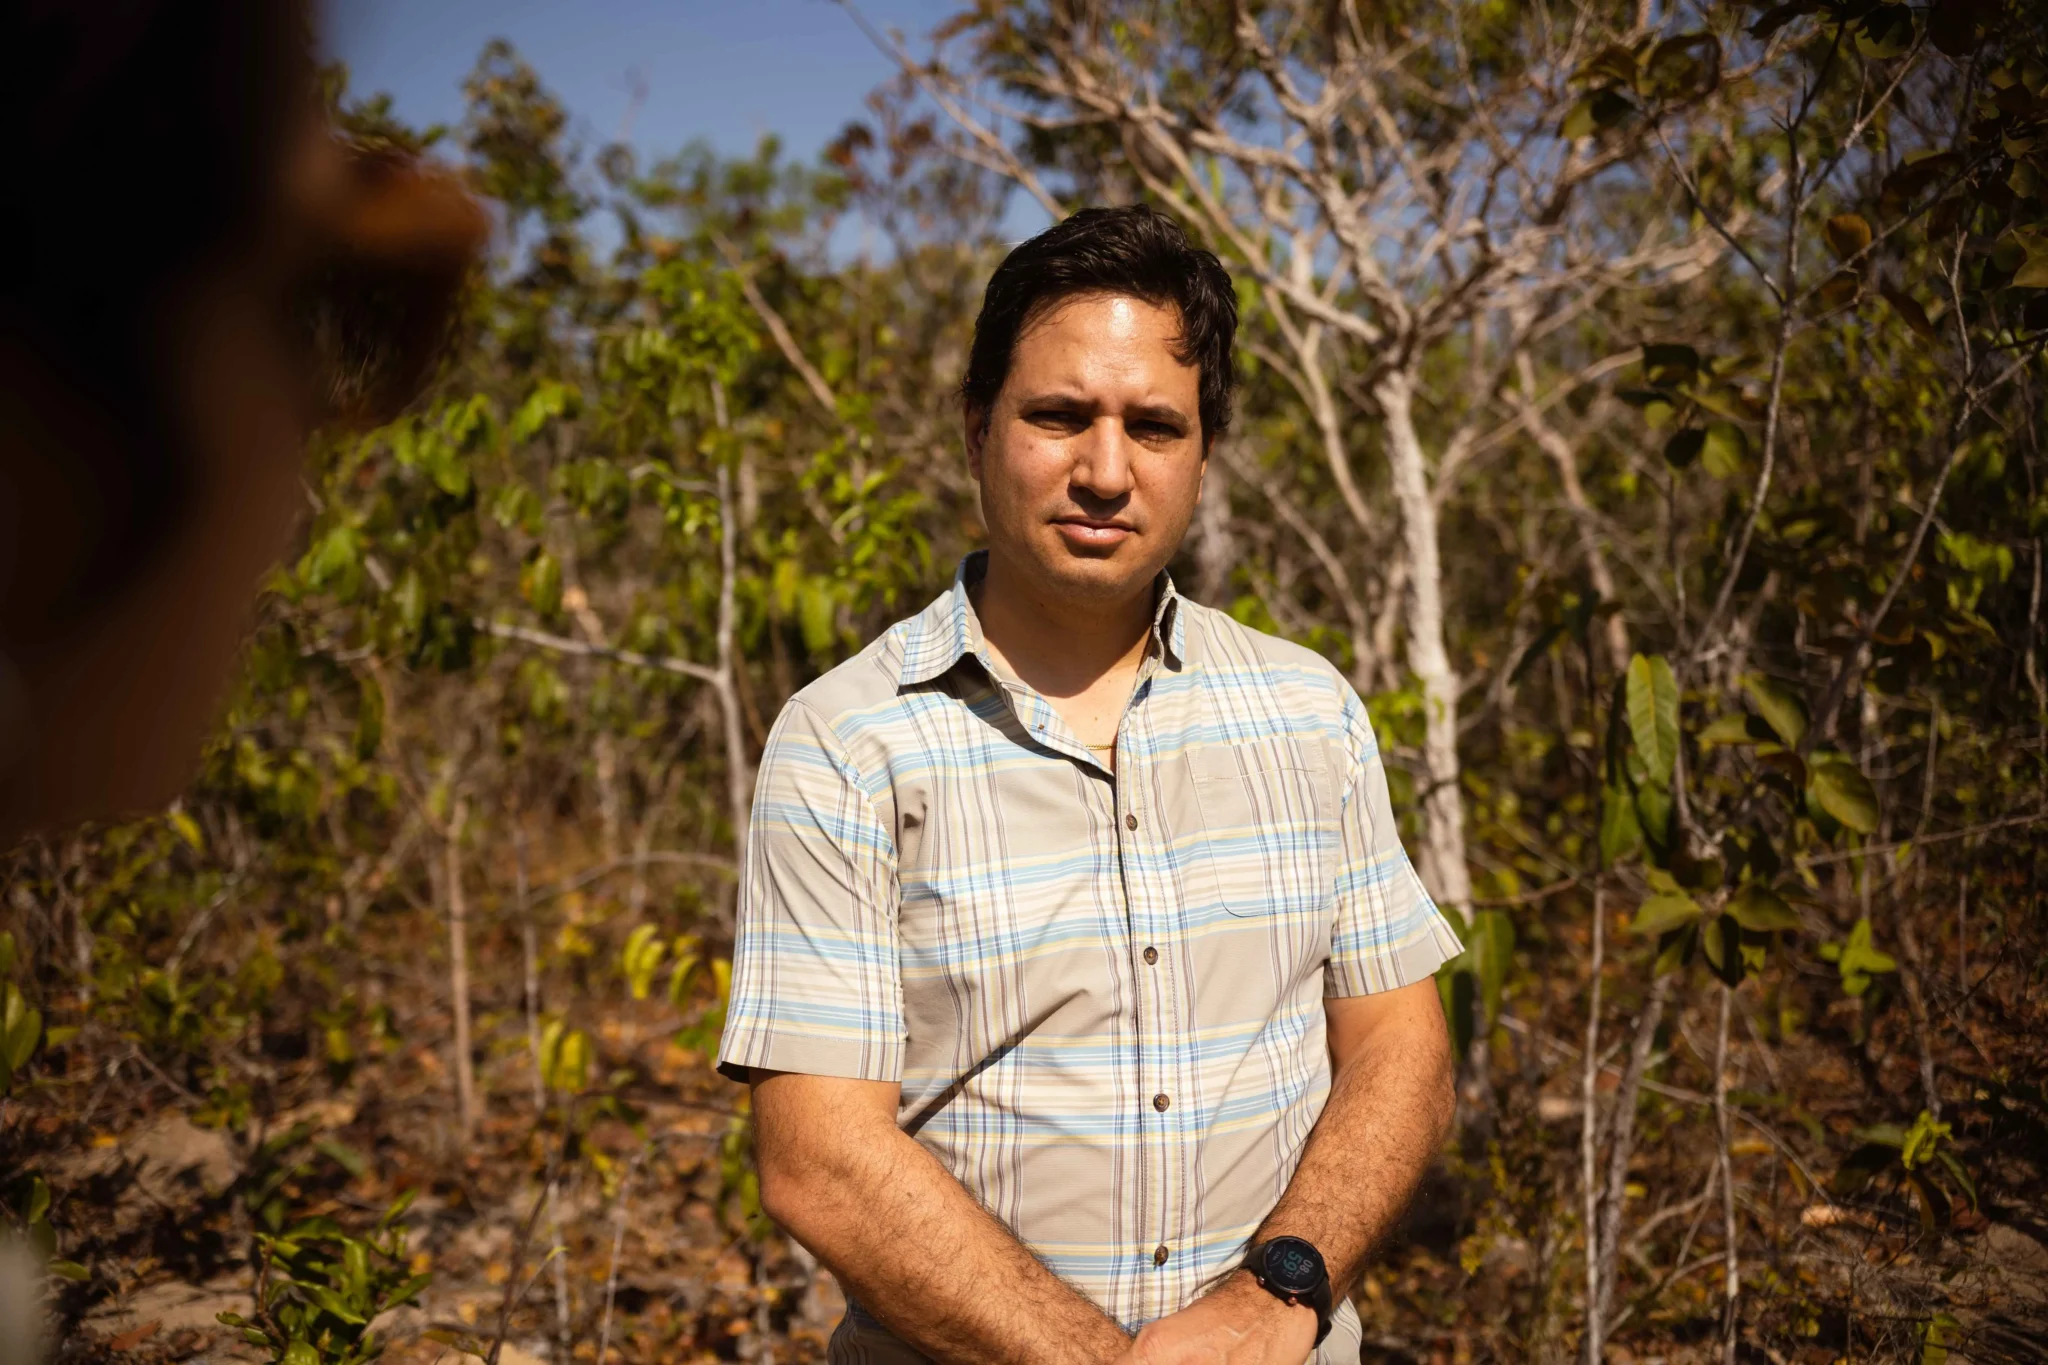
[
  {"x": 1390, "y": 1106},
  {"x": 934, "y": 1267}
]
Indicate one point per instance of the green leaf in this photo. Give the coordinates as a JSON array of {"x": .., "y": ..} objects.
[
  {"x": 70, "y": 1270},
  {"x": 1959, "y": 1175},
  {"x": 1578, "y": 120},
  {"x": 1732, "y": 728},
  {"x": 1653, "y": 715},
  {"x": 1761, "y": 910},
  {"x": 1724, "y": 450},
  {"x": 1684, "y": 446},
  {"x": 565, "y": 1056},
  {"x": 1682, "y": 67},
  {"x": 1780, "y": 707},
  {"x": 333, "y": 559},
  {"x": 1847, "y": 234},
  {"x": 331, "y": 1302},
  {"x": 21, "y": 1028},
  {"x": 1942, "y": 1330},
  {"x": 300, "y": 1353},
  {"x": 2033, "y": 270},
  {"x": 187, "y": 828},
  {"x": 1596, "y": 112},
  {"x": 1675, "y": 949},
  {"x": 1620, "y": 832},
  {"x": 1909, "y": 310},
  {"x": 1662, "y": 913},
  {"x": 398, "y": 1208},
  {"x": 1670, "y": 365},
  {"x": 1926, "y": 1134},
  {"x": 540, "y": 583},
  {"x": 818, "y": 616},
  {"x": 1722, "y": 940},
  {"x": 641, "y": 958},
  {"x": 1841, "y": 789},
  {"x": 344, "y": 1156},
  {"x": 1858, "y": 960}
]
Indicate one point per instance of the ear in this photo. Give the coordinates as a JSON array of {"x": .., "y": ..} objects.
[
  {"x": 974, "y": 426},
  {"x": 1202, "y": 476}
]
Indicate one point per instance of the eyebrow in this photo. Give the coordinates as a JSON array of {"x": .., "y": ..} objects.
[{"x": 1150, "y": 412}]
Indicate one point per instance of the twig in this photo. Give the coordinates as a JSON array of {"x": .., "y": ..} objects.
[
  {"x": 514, "y": 1292},
  {"x": 1008, "y": 163},
  {"x": 562, "y": 644},
  {"x": 777, "y": 328},
  {"x": 1731, "y": 1322},
  {"x": 611, "y": 1278},
  {"x": 1870, "y": 850}
]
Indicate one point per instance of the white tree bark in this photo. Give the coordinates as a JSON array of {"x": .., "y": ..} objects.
[{"x": 1443, "y": 803}]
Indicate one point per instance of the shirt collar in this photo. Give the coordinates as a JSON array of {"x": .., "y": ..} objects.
[{"x": 948, "y": 630}]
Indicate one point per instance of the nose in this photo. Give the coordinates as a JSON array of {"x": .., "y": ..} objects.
[{"x": 1102, "y": 460}]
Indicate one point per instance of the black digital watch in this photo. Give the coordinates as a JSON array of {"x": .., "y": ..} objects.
[{"x": 1292, "y": 1271}]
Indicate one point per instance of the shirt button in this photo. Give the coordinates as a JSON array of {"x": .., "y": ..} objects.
[
  {"x": 1160, "y": 1102},
  {"x": 1159, "y": 1254},
  {"x": 1151, "y": 956},
  {"x": 1130, "y": 822}
]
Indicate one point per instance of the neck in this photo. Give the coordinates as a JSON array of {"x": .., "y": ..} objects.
[{"x": 1060, "y": 646}]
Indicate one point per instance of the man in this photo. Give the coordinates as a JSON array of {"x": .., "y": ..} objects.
[{"x": 1082, "y": 981}]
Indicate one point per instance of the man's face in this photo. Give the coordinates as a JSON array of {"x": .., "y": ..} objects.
[{"x": 1090, "y": 461}]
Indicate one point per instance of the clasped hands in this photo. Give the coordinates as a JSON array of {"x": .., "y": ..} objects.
[{"x": 1236, "y": 1323}]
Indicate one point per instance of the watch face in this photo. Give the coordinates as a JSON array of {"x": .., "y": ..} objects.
[{"x": 1293, "y": 1265}]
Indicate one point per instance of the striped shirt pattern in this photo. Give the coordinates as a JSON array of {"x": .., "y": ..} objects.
[{"x": 1101, "y": 993}]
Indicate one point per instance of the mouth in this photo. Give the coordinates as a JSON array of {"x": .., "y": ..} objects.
[{"x": 1094, "y": 532}]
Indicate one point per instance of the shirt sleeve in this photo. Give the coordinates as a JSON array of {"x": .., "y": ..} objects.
[
  {"x": 816, "y": 979},
  {"x": 1388, "y": 931}
]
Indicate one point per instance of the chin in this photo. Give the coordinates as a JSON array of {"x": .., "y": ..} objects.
[{"x": 1106, "y": 578}]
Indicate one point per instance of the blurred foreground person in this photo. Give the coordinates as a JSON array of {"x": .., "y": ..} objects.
[{"x": 197, "y": 273}]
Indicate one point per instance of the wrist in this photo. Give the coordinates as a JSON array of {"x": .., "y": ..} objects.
[
  {"x": 1290, "y": 1271},
  {"x": 1241, "y": 1287}
]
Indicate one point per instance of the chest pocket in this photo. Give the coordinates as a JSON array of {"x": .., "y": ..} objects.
[{"x": 1269, "y": 824}]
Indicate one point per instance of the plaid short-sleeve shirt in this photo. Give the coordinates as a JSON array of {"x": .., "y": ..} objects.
[{"x": 1101, "y": 993}]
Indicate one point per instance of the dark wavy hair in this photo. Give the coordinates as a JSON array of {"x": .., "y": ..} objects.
[{"x": 1134, "y": 250}]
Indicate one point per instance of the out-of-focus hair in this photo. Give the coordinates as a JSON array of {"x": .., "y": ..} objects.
[
  {"x": 153, "y": 140},
  {"x": 1134, "y": 250}
]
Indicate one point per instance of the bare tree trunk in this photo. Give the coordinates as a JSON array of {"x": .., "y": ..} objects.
[
  {"x": 1622, "y": 1138},
  {"x": 1443, "y": 803},
  {"x": 1215, "y": 547},
  {"x": 529, "y": 951},
  {"x": 458, "y": 970},
  {"x": 1731, "y": 1321}
]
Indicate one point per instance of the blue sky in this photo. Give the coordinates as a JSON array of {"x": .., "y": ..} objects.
[{"x": 722, "y": 70}]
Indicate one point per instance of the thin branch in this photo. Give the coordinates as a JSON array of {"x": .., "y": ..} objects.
[
  {"x": 777, "y": 328},
  {"x": 968, "y": 124},
  {"x": 562, "y": 644}
]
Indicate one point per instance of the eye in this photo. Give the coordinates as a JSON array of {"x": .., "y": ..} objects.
[
  {"x": 1146, "y": 430},
  {"x": 1057, "y": 419}
]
